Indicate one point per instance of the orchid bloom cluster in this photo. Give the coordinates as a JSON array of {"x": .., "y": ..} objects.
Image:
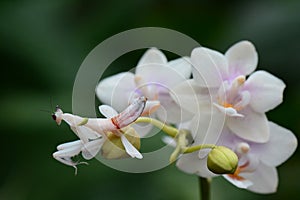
[{"x": 215, "y": 120}]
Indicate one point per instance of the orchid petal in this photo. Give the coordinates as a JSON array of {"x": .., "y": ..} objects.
[
  {"x": 279, "y": 148},
  {"x": 183, "y": 66},
  {"x": 116, "y": 90},
  {"x": 190, "y": 96},
  {"x": 264, "y": 179},
  {"x": 266, "y": 89},
  {"x": 152, "y": 55},
  {"x": 207, "y": 128},
  {"x": 150, "y": 107},
  {"x": 209, "y": 67},
  {"x": 228, "y": 111},
  {"x": 240, "y": 183},
  {"x": 162, "y": 76},
  {"x": 107, "y": 111},
  {"x": 192, "y": 164},
  {"x": 169, "y": 141},
  {"x": 253, "y": 126},
  {"x": 130, "y": 149},
  {"x": 143, "y": 129},
  {"x": 242, "y": 58},
  {"x": 171, "y": 112}
]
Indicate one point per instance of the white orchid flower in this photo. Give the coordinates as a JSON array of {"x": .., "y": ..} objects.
[
  {"x": 219, "y": 83},
  {"x": 92, "y": 132},
  {"x": 257, "y": 161},
  {"x": 153, "y": 78}
]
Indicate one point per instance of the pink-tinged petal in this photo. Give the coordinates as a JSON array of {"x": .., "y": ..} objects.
[
  {"x": 107, "y": 111},
  {"x": 209, "y": 67},
  {"x": 144, "y": 130},
  {"x": 207, "y": 127},
  {"x": 170, "y": 111},
  {"x": 152, "y": 55},
  {"x": 191, "y": 164},
  {"x": 190, "y": 96},
  {"x": 183, "y": 66},
  {"x": 161, "y": 76},
  {"x": 240, "y": 183},
  {"x": 264, "y": 179},
  {"x": 242, "y": 58},
  {"x": 253, "y": 126},
  {"x": 116, "y": 90},
  {"x": 279, "y": 148},
  {"x": 151, "y": 107},
  {"x": 228, "y": 111},
  {"x": 266, "y": 91}
]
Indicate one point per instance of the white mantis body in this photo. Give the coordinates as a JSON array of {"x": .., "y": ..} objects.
[{"x": 92, "y": 132}]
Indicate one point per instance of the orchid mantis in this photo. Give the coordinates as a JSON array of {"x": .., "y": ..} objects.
[{"x": 93, "y": 132}]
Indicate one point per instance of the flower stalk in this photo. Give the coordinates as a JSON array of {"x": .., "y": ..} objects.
[
  {"x": 204, "y": 188},
  {"x": 171, "y": 131}
]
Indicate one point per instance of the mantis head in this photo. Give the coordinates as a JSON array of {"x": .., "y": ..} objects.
[{"x": 57, "y": 115}]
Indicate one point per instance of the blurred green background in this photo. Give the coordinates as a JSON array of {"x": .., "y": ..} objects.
[{"x": 43, "y": 44}]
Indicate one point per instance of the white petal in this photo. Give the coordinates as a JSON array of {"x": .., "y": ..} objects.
[
  {"x": 207, "y": 128},
  {"x": 209, "y": 67},
  {"x": 191, "y": 164},
  {"x": 151, "y": 107},
  {"x": 266, "y": 91},
  {"x": 144, "y": 130},
  {"x": 264, "y": 179},
  {"x": 91, "y": 149},
  {"x": 152, "y": 55},
  {"x": 244, "y": 183},
  {"x": 183, "y": 66},
  {"x": 189, "y": 96},
  {"x": 170, "y": 112},
  {"x": 245, "y": 99},
  {"x": 242, "y": 58},
  {"x": 228, "y": 111},
  {"x": 253, "y": 126},
  {"x": 130, "y": 149},
  {"x": 279, "y": 148},
  {"x": 160, "y": 75},
  {"x": 107, "y": 111},
  {"x": 116, "y": 90},
  {"x": 169, "y": 141}
]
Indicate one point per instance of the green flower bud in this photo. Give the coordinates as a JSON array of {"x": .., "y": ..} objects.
[
  {"x": 113, "y": 147},
  {"x": 222, "y": 160}
]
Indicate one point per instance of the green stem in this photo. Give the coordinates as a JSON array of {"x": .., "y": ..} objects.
[
  {"x": 171, "y": 131},
  {"x": 204, "y": 188},
  {"x": 199, "y": 147}
]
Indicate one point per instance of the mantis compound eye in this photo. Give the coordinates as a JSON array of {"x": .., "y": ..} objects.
[{"x": 53, "y": 117}]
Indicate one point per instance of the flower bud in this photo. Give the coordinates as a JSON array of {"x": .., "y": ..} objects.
[
  {"x": 113, "y": 147},
  {"x": 222, "y": 160}
]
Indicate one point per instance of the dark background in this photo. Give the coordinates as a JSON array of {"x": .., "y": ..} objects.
[{"x": 43, "y": 44}]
